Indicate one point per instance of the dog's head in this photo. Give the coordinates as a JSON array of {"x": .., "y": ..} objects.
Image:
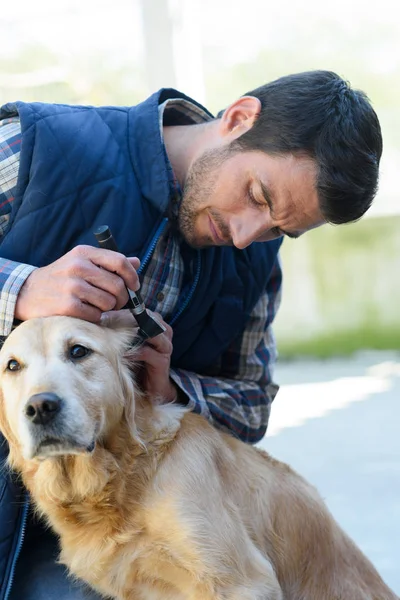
[{"x": 64, "y": 385}]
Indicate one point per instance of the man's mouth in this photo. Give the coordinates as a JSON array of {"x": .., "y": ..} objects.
[{"x": 218, "y": 240}]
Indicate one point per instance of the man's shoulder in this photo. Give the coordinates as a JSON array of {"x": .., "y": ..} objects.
[{"x": 41, "y": 110}]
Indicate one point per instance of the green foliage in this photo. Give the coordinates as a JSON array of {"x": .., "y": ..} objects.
[
  {"x": 341, "y": 290},
  {"x": 346, "y": 342}
]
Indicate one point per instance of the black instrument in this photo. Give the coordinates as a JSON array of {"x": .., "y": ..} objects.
[{"x": 148, "y": 326}]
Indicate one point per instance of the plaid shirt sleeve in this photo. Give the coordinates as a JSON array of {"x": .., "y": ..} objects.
[
  {"x": 12, "y": 274},
  {"x": 239, "y": 399}
]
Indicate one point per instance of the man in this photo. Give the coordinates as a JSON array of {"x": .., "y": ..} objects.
[{"x": 189, "y": 195}]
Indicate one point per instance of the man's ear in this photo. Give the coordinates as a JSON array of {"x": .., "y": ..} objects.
[{"x": 239, "y": 117}]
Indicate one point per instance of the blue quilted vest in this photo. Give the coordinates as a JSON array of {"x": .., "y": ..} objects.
[{"x": 82, "y": 167}]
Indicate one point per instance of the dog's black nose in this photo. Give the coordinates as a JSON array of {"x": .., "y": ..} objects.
[{"x": 42, "y": 408}]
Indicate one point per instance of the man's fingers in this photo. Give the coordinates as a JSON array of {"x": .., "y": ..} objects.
[
  {"x": 135, "y": 262},
  {"x": 151, "y": 357},
  {"x": 109, "y": 272},
  {"x": 168, "y": 329},
  {"x": 114, "y": 262},
  {"x": 160, "y": 344},
  {"x": 94, "y": 296},
  {"x": 80, "y": 310},
  {"x": 106, "y": 282},
  {"x": 119, "y": 318}
]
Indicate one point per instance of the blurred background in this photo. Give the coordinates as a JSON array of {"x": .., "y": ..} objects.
[{"x": 338, "y": 331}]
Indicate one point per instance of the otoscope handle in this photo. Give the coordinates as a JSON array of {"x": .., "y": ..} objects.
[
  {"x": 148, "y": 327},
  {"x": 105, "y": 240}
]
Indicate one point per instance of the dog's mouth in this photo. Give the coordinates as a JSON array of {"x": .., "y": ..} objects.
[{"x": 54, "y": 446}]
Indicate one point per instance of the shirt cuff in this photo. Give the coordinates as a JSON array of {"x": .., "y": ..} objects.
[
  {"x": 190, "y": 384},
  {"x": 13, "y": 277}
]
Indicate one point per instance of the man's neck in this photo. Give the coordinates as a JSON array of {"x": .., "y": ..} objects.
[{"x": 184, "y": 144}]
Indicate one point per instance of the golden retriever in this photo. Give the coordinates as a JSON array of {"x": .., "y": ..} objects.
[{"x": 150, "y": 501}]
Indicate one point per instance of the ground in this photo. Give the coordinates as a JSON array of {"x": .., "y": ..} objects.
[{"x": 336, "y": 422}]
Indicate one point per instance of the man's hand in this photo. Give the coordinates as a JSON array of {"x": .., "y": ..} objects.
[
  {"x": 155, "y": 354},
  {"x": 83, "y": 283}
]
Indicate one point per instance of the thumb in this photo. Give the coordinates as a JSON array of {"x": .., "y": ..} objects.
[{"x": 135, "y": 262}]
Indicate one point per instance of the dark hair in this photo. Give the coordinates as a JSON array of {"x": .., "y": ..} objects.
[{"x": 318, "y": 114}]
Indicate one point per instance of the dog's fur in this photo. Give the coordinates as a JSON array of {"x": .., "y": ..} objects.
[{"x": 163, "y": 506}]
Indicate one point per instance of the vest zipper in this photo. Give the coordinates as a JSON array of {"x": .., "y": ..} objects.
[
  {"x": 153, "y": 244},
  {"x": 21, "y": 536},
  {"x": 144, "y": 262},
  {"x": 191, "y": 292}
]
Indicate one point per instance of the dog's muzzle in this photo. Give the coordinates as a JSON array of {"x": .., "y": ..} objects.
[{"x": 50, "y": 430}]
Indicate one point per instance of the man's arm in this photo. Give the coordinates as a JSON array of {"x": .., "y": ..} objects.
[
  {"x": 75, "y": 284},
  {"x": 12, "y": 274},
  {"x": 12, "y": 277},
  {"x": 239, "y": 400}
]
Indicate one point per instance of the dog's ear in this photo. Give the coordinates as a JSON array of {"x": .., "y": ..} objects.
[
  {"x": 5, "y": 429},
  {"x": 132, "y": 395},
  {"x": 126, "y": 330},
  {"x": 125, "y": 341},
  {"x": 120, "y": 320},
  {"x": 126, "y": 367}
]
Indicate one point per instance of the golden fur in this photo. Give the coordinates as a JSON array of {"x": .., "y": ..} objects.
[{"x": 165, "y": 507}]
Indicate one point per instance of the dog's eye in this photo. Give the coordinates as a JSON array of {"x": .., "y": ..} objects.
[
  {"x": 77, "y": 351},
  {"x": 13, "y": 365}
]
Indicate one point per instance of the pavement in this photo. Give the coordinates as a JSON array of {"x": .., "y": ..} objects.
[{"x": 337, "y": 423}]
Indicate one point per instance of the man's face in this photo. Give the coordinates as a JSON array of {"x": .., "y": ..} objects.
[{"x": 244, "y": 197}]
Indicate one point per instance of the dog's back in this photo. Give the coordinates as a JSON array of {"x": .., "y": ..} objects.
[
  {"x": 152, "y": 501},
  {"x": 283, "y": 515}
]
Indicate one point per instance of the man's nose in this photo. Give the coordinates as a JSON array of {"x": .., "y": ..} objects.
[
  {"x": 245, "y": 231},
  {"x": 42, "y": 408}
]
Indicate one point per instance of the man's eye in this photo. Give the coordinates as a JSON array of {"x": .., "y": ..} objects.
[
  {"x": 78, "y": 351},
  {"x": 13, "y": 365},
  {"x": 252, "y": 199}
]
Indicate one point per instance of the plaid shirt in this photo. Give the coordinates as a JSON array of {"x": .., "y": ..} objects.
[{"x": 239, "y": 398}]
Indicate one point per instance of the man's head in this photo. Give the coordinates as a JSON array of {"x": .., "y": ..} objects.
[{"x": 285, "y": 158}]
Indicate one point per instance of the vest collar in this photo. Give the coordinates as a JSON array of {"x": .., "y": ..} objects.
[{"x": 149, "y": 158}]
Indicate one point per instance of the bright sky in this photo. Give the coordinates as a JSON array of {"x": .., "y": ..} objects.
[
  {"x": 240, "y": 29},
  {"x": 69, "y": 26}
]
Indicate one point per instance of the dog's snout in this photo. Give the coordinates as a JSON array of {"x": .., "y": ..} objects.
[{"x": 42, "y": 408}]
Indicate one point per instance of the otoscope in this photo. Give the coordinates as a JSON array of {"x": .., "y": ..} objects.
[{"x": 148, "y": 326}]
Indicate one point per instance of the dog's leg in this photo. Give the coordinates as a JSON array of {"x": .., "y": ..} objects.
[
  {"x": 152, "y": 592},
  {"x": 257, "y": 581},
  {"x": 266, "y": 590},
  {"x": 263, "y": 591}
]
